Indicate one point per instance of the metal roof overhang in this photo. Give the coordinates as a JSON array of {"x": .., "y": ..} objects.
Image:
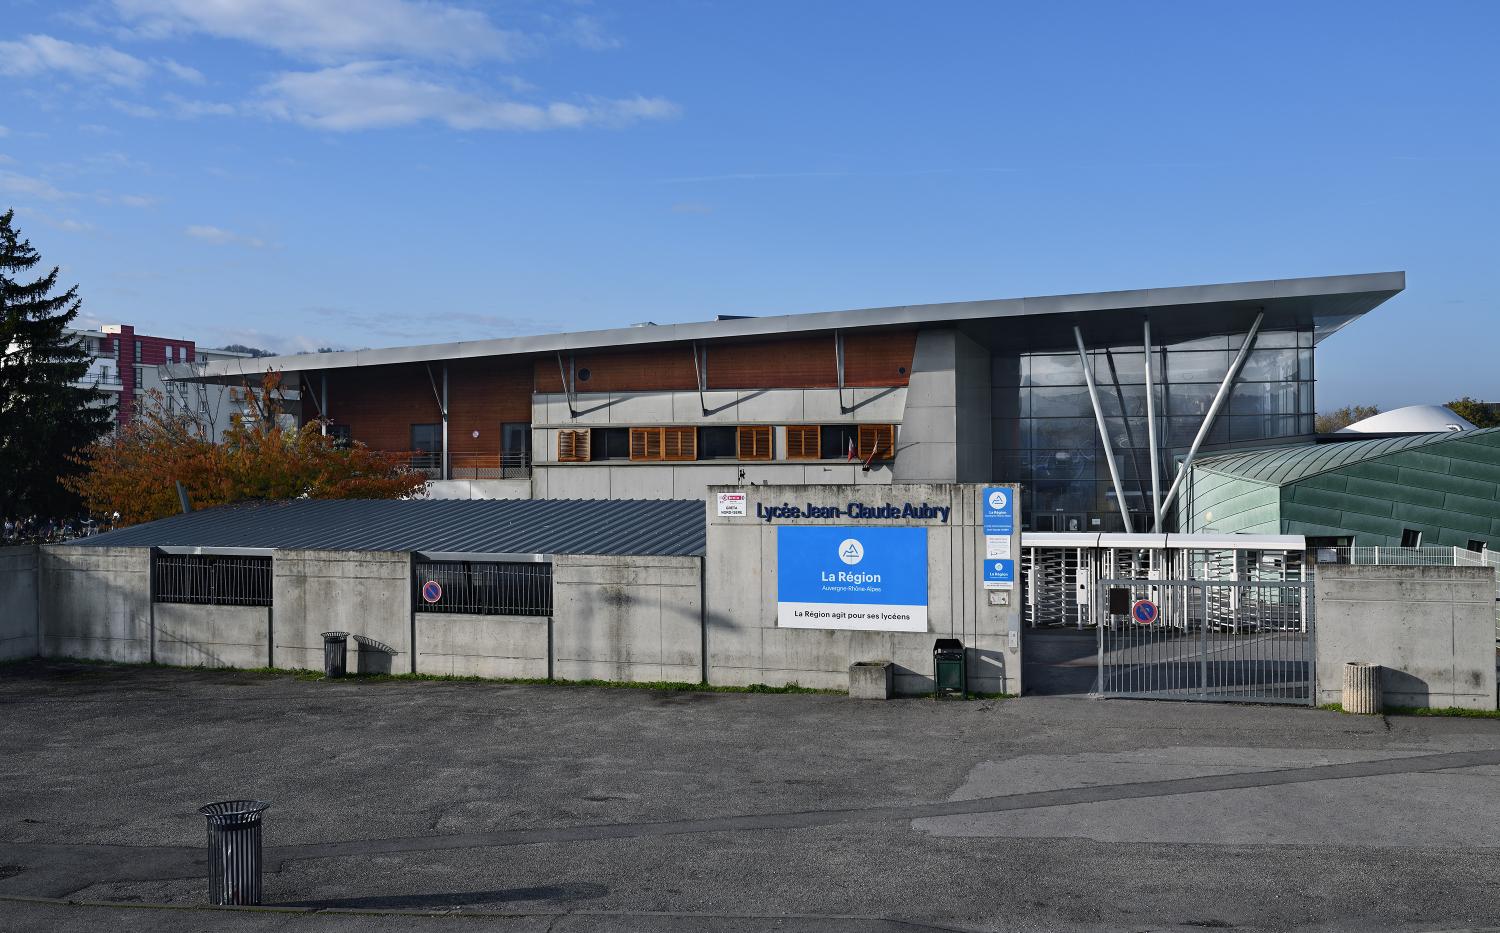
[{"x": 1324, "y": 303}]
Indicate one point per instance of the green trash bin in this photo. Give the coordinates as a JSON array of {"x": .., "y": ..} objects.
[{"x": 949, "y": 672}]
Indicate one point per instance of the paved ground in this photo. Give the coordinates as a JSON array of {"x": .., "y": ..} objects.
[{"x": 397, "y": 805}]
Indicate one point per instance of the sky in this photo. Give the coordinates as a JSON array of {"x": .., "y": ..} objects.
[{"x": 294, "y": 174}]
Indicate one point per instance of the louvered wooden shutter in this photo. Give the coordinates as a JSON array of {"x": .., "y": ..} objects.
[
  {"x": 645, "y": 443},
  {"x": 877, "y": 441},
  {"x": 754, "y": 442},
  {"x": 803, "y": 442},
  {"x": 680, "y": 443},
  {"x": 573, "y": 446}
]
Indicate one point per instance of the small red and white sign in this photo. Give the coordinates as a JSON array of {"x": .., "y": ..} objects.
[
  {"x": 1144, "y": 612},
  {"x": 432, "y": 591},
  {"x": 732, "y": 504}
]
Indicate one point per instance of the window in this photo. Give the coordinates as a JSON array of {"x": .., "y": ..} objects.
[
  {"x": 753, "y": 442},
  {"x": 877, "y": 441},
  {"x": 211, "y": 580},
  {"x": 426, "y": 446},
  {"x": 717, "y": 443},
  {"x": 573, "y": 446},
  {"x": 484, "y": 588},
  {"x": 645, "y": 444},
  {"x": 802, "y": 442},
  {"x": 610, "y": 444},
  {"x": 680, "y": 443},
  {"x": 137, "y": 351},
  {"x": 838, "y": 441},
  {"x": 1411, "y": 537},
  {"x": 1476, "y": 545}
]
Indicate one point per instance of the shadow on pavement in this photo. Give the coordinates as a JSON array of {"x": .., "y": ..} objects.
[{"x": 559, "y": 892}]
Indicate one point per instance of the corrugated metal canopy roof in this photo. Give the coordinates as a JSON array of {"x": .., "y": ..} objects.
[
  {"x": 515, "y": 526},
  {"x": 1281, "y": 465}
]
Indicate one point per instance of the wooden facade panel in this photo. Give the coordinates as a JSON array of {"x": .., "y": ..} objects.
[
  {"x": 482, "y": 394},
  {"x": 381, "y": 403},
  {"x": 874, "y": 359},
  {"x": 657, "y": 369}
]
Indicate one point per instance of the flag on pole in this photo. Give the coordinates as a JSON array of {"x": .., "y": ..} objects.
[{"x": 853, "y": 452}]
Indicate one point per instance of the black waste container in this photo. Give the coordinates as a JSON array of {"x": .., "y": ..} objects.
[
  {"x": 949, "y": 672},
  {"x": 335, "y": 653},
  {"x": 234, "y": 851}
]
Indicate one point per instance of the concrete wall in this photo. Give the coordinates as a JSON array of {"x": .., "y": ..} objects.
[
  {"x": 946, "y": 429},
  {"x": 96, "y": 603},
  {"x": 364, "y": 593},
  {"x": 1432, "y": 629},
  {"x": 479, "y": 489},
  {"x": 745, "y": 645},
  {"x": 627, "y": 618},
  {"x": 212, "y": 636},
  {"x": 623, "y": 480},
  {"x": 464, "y": 645},
  {"x": 19, "y": 618}
]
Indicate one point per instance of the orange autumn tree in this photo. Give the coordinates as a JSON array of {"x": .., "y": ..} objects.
[{"x": 261, "y": 457}]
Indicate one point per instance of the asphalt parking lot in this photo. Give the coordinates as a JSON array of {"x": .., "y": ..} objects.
[{"x": 399, "y": 805}]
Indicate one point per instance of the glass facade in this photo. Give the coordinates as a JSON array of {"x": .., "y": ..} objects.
[{"x": 1046, "y": 438}]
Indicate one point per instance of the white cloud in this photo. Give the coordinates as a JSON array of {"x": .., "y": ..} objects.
[
  {"x": 4, "y": 131},
  {"x": 36, "y": 55},
  {"x": 29, "y": 186},
  {"x": 589, "y": 33},
  {"x": 366, "y": 95},
  {"x": 132, "y": 109},
  {"x": 180, "y": 71},
  {"x": 331, "y": 30},
  {"x": 136, "y": 200},
  {"x": 188, "y": 109},
  {"x": 221, "y": 237}
]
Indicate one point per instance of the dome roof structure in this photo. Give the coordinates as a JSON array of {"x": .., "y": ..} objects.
[{"x": 1413, "y": 419}]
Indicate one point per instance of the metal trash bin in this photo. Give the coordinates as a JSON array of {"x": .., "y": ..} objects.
[
  {"x": 234, "y": 858},
  {"x": 335, "y": 653},
  {"x": 949, "y": 670}
]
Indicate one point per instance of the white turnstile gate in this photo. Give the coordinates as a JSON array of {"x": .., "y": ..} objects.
[{"x": 1187, "y": 617}]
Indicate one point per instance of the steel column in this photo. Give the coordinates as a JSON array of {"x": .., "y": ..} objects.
[
  {"x": 1151, "y": 434},
  {"x": 1213, "y": 413},
  {"x": 1109, "y": 453},
  {"x": 445, "y": 422}
]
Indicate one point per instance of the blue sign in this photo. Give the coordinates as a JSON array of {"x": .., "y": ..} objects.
[
  {"x": 432, "y": 591},
  {"x": 859, "y": 578},
  {"x": 999, "y": 574},
  {"x": 1144, "y": 611},
  {"x": 999, "y": 505}
]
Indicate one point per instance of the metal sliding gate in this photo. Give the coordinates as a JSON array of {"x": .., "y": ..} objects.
[{"x": 1246, "y": 641}]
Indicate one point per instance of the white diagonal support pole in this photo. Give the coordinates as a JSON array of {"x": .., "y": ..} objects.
[
  {"x": 1109, "y": 453},
  {"x": 1151, "y": 434},
  {"x": 1213, "y": 413}
]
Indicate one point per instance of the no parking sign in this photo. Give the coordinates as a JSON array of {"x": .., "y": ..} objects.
[{"x": 1144, "y": 612}]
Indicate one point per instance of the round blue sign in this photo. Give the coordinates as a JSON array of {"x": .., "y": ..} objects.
[
  {"x": 432, "y": 591},
  {"x": 1144, "y": 611}
]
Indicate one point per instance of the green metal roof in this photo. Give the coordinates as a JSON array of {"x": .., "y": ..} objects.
[{"x": 1281, "y": 465}]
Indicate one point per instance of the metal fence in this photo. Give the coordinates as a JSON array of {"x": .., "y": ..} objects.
[
  {"x": 509, "y": 465},
  {"x": 211, "y": 580},
  {"x": 1240, "y": 641},
  {"x": 509, "y": 589}
]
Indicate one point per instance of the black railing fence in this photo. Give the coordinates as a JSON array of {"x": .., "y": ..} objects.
[
  {"x": 482, "y": 588},
  {"x": 211, "y": 580}
]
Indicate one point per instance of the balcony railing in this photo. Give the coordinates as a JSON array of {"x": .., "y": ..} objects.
[
  {"x": 469, "y": 465},
  {"x": 509, "y": 465}
]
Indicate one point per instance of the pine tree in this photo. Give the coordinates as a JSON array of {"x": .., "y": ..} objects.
[{"x": 45, "y": 418}]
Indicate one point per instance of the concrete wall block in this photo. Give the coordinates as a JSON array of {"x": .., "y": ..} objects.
[
  {"x": 479, "y": 489},
  {"x": 464, "y": 645},
  {"x": 644, "y": 408},
  {"x": 627, "y": 618},
  {"x": 96, "y": 603},
  {"x": 365, "y": 593},
  {"x": 1432, "y": 629},
  {"x": 688, "y": 407},
  {"x": 582, "y": 481},
  {"x": 776, "y": 406},
  {"x": 19, "y": 602},
  {"x": 212, "y": 636},
  {"x": 640, "y": 482}
]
